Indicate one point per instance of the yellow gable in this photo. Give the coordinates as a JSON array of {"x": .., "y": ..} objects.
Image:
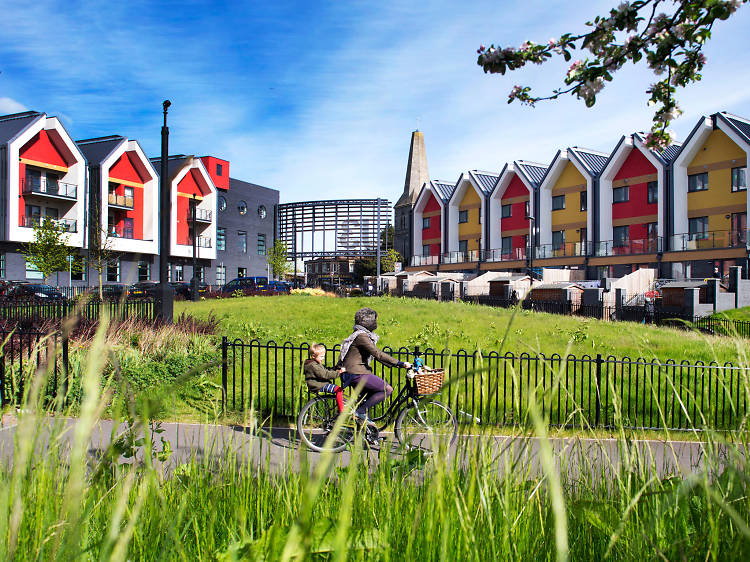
[
  {"x": 570, "y": 176},
  {"x": 717, "y": 148},
  {"x": 470, "y": 196}
]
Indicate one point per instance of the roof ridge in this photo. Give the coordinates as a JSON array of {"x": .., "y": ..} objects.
[
  {"x": 100, "y": 139},
  {"x": 733, "y": 116},
  {"x": 21, "y": 115},
  {"x": 485, "y": 172},
  {"x": 589, "y": 150},
  {"x": 530, "y": 163}
]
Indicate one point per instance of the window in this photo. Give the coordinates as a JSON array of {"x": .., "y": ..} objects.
[
  {"x": 113, "y": 271},
  {"x": 653, "y": 192},
  {"x": 221, "y": 238},
  {"x": 507, "y": 245},
  {"x": 463, "y": 216},
  {"x": 200, "y": 273},
  {"x": 79, "y": 273},
  {"x": 698, "y": 228},
  {"x": 2, "y": 265},
  {"x": 506, "y": 211},
  {"x": 127, "y": 228},
  {"x": 261, "y": 244},
  {"x": 558, "y": 202},
  {"x": 584, "y": 201},
  {"x": 221, "y": 275},
  {"x": 222, "y": 203},
  {"x": 262, "y": 212},
  {"x": 51, "y": 213},
  {"x": 33, "y": 179},
  {"x": 739, "y": 179},
  {"x": 463, "y": 246},
  {"x": 219, "y": 169},
  {"x": 241, "y": 272},
  {"x": 32, "y": 271},
  {"x": 243, "y": 241},
  {"x": 558, "y": 239},
  {"x": 242, "y": 208},
  {"x": 144, "y": 271},
  {"x": 621, "y": 235},
  {"x": 179, "y": 273},
  {"x": 698, "y": 182},
  {"x": 739, "y": 229},
  {"x": 652, "y": 230},
  {"x": 425, "y": 222},
  {"x": 33, "y": 215},
  {"x": 620, "y": 194},
  {"x": 425, "y": 250}
]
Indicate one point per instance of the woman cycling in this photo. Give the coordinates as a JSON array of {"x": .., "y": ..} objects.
[{"x": 355, "y": 357}]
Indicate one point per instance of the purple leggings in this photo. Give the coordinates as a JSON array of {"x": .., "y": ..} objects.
[{"x": 374, "y": 389}]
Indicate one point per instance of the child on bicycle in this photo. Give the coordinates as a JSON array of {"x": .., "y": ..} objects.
[{"x": 318, "y": 378}]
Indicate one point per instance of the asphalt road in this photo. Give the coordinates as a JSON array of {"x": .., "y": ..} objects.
[{"x": 274, "y": 449}]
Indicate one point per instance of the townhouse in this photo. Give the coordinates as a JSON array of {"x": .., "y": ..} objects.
[
  {"x": 682, "y": 210},
  {"x": 105, "y": 191}
]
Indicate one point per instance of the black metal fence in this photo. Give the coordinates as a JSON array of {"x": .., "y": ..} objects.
[
  {"x": 650, "y": 314},
  {"x": 495, "y": 389},
  {"x": 26, "y": 352},
  {"x": 35, "y": 311}
]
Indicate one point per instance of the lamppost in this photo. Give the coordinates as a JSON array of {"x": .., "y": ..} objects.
[
  {"x": 165, "y": 295},
  {"x": 194, "y": 281},
  {"x": 532, "y": 220}
]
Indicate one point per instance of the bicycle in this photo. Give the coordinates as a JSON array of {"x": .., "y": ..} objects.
[{"x": 421, "y": 422}]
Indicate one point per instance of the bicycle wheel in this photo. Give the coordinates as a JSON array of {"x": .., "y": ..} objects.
[
  {"x": 315, "y": 423},
  {"x": 428, "y": 425}
]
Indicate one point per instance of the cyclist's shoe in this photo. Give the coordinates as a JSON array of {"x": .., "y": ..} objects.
[
  {"x": 363, "y": 420},
  {"x": 372, "y": 437}
]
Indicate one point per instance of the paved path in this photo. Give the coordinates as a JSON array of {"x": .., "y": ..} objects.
[{"x": 274, "y": 449}]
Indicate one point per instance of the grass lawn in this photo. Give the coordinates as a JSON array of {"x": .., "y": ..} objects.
[
  {"x": 736, "y": 314},
  {"x": 410, "y": 322}
]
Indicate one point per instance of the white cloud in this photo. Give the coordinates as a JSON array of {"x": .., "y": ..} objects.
[{"x": 9, "y": 105}]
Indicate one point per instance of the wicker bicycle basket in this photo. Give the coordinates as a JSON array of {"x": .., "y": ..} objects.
[{"x": 429, "y": 382}]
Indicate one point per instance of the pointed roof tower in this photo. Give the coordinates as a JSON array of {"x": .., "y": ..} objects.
[{"x": 416, "y": 171}]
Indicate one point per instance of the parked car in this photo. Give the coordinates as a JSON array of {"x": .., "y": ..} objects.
[
  {"x": 248, "y": 286},
  {"x": 182, "y": 289},
  {"x": 143, "y": 289},
  {"x": 34, "y": 291},
  {"x": 112, "y": 292},
  {"x": 279, "y": 287}
]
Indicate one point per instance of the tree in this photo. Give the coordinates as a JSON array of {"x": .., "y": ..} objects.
[
  {"x": 100, "y": 252},
  {"x": 368, "y": 267},
  {"x": 670, "y": 42},
  {"x": 49, "y": 252},
  {"x": 277, "y": 259},
  {"x": 386, "y": 237},
  {"x": 388, "y": 260}
]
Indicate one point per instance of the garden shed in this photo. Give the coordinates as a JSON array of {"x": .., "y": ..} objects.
[{"x": 557, "y": 292}]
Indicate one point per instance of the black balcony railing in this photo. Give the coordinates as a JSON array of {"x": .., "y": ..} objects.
[
  {"x": 629, "y": 247},
  {"x": 708, "y": 240},
  {"x": 201, "y": 242},
  {"x": 567, "y": 249},
  {"x": 30, "y": 222},
  {"x": 45, "y": 186},
  {"x": 504, "y": 254}
]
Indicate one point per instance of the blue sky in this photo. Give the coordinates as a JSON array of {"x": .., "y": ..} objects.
[{"x": 318, "y": 99}]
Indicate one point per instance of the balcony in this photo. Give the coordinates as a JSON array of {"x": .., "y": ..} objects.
[
  {"x": 460, "y": 257},
  {"x": 709, "y": 240},
  {"x": 202, "y": 215},
  {"x": 566, "y": 250},
  {"x": 201, "y": 242},
  {"x": 120, "y": 201},
  {"x": 504, "y": 254},
  {"x": 418, "y": 261},
  {"x": 69, "y": 225},
  {"x": 629, "y": 247},
  {"x": 121, "y": 232},
  {"x": 43, "y": 186}
]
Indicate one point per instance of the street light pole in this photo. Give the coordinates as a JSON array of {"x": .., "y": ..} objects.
[
  {"x": 164, "y": 306},
  {"x": 194, "y": 281}
]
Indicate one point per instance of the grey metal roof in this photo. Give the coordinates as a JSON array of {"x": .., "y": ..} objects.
[
  {"x": 174, "y": 163},
  {"x": 235, "y": 184},
  {"x": 593, "y": 160},
  {"x": 533, "y": 171},
  {"x": 11, "y": 125},
  {"x": 485, "y": 180},
  {"x": 740, "y": 125},
  {"x": 671, "y": 152},
  {"x": 443, "y": 189},
  {"x": 559, "y": 285},
  {"x": 96, "y": 150}
]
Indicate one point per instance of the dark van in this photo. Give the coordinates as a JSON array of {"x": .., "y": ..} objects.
[{"x": 248, "y": 286}]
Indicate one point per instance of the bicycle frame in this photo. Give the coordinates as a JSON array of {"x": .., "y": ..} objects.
[{"x": 408, "y": 392}]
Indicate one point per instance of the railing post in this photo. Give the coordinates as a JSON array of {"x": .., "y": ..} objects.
[
  {"x": 598, "y": 388},
  {"x": 224, "y": 353},
  {"x": 65, "y": 369}
]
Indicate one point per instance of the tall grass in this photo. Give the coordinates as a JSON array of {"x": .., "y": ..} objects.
[{"x": 491, "y": 499}]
